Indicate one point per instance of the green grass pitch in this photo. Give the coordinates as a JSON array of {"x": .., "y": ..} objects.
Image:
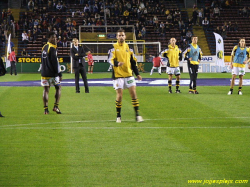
[{"x": 184, "y": 137}]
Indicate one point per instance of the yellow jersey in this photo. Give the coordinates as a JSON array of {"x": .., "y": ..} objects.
[{"x": 122, "y": 53}]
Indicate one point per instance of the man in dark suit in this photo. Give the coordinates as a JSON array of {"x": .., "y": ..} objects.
[{"x": 78, "y": 54}]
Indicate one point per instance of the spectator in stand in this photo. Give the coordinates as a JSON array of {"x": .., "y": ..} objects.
[
  {"x": 31, "y": 5},
  {"x": 189, "y": 36},
  {"x": 195, "y": 16},
  {"x": 65, "y": 43},
  {"x": 163, "y": 31},
  {"x": 24, "y": 52},
  {"x": 95, "y": 9},
  {"x": 143, "y": 32},
  {"x": 200, "y": 16},
  {"x": 59, "y": 7},
  {"x": 189, "y": 23},
  {"x": 169, "y": 18},
  {"x": 44, "y": 40},
  {"x": 244, "y": 12},
  {"x": 35, "y": 35},
  {"x": 228, "y": 4},
  {"x": 183, "y": 34},
  {"x": 205, "y": 24},
  {"x": 107, "y": 11},
  {"x": 224, "y": 34},
  {"x": 74, "y": 33},
  {"x": 155, "y": 20},
  {"x": 59, "y": 42},
  {"x": 216, "y": 12},
  {"x": 181, "y": 24},
  {"x": 217, "y": 30},
  {"x": 86, "y": 8},
  {"x": 235, "y": 26},
  {"x": 30, "y": 35},
  {"x": 25, "y": 38},
  {"x": 2, "y": 40}
]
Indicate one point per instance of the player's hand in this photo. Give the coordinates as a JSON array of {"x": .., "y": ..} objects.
[
  {"x": 60, "y": 78},
  {"x": 231, "y": 66},
  {"x": 199, "y": 60},
  {"x": 245, "y": 62},
  {"x": 190, "y": 58},
  {"x": 120, "y": 63},
  {"x": 248, "y": 66},
  {"x": 139, "y": 77}
]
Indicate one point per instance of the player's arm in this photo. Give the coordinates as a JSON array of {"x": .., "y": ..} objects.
[
  {"x": 186, "y": 51},
  {"x": 55, "y": 63},
  {"x": 180, "y": 55},
  {"x": 164, "y": 53},
  {"x": 232, "y": 56},
  {"x": 112, "y": 58},
  {"x": 200, "y": 55},
  {"x": 134, "y": 67}
]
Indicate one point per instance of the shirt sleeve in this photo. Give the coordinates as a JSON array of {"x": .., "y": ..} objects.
[
  {"x": 187, "y": 50},
  {"x": 112, "y": 58},
  {"x": 234, "y": 50}
]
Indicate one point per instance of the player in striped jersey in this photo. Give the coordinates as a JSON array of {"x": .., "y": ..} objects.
[
  {"x": 124, "y": 64},
  {"x": 174, "y": 55}
]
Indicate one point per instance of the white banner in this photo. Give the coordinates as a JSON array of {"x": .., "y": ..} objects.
[
  {"x": 8, "y": 52},
  {"x": 219, "y": 50}
]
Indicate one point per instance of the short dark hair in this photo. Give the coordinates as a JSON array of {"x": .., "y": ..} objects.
[{"x": 121, "y": 30}]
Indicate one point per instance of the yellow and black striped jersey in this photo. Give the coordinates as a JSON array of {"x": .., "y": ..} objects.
[
  {"x": 50, "y": 64},
  {"x": 174, "y": 55},
  {"x": 122, "y": 53}
]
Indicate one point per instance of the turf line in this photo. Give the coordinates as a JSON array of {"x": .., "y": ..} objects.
[{"x": 98, "y": 121}]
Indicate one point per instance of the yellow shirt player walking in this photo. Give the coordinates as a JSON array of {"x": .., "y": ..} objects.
[
  {"x": 124, "y": 63},
  {"x": 174, "y": 55}
]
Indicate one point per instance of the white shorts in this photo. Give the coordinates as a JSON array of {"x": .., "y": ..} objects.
[
  {"x": 173, "y": 71},
  {"x": 238, "y": 71},
  {"x": 124, "y": 83},
  {"x": 48, "y": 81}
]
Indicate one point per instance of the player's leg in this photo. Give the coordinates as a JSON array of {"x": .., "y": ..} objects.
[
  {"x": 152, "y": 70},
  {"x": 235, "y": 72},
  {"x": 178, "y": 76},
  {"x": 195, "y": 75},
  {"x": 89, "y": 69},
  {"x": 46, "y": 99},
  {"x": 118, "y": 85},
  {"x": 190, "y": 71},
  {"x": 77, "y": 80},
  {"x": 170, "y": 77},
  {"x": 118, "y": 102},
  {"x": 92, "y": 68},
  {"x": 240, "y": 84},
  {"x": 178, "y": 84},
  {"x": 135, "y": 103},
  {"x": 11, "y": 67},
  {"x": 84, "y": 78},
  {"x": 56, "y": 82},
  {"x": 159, "y": 70}
]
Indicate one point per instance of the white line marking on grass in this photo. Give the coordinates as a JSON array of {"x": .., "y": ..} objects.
[
  {"x": 100, "y": 121},
  {"x": 101, "y": 128}
]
